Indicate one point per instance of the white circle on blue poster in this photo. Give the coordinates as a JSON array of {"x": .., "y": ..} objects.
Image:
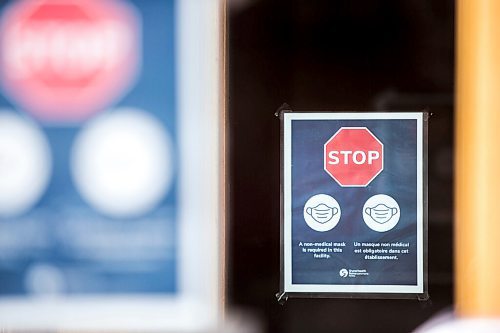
[
  {"x": 322, "y": 212},
  {"x": 25, "y": 164},
  {"x": 122, "y": 163},
  {"x": 381, "y": 213}
]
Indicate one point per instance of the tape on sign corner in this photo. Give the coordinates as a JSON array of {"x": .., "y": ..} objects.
[
  {"x": 281, "y": 297},
  {"x": 283, "y": 108}
]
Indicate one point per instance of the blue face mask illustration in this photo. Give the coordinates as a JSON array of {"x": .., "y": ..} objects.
[
  {"x": 381, "y": 213},
  {"x": 322, "y": 213}
]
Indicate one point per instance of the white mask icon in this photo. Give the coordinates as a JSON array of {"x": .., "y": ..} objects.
[
  {"x": 381, "y": 213},
  {"x": 322, "y": 213}
]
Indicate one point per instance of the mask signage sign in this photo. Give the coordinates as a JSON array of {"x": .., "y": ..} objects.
[
  {"x": 104, "y": 211},
  {"x": 354, "y": 204}
]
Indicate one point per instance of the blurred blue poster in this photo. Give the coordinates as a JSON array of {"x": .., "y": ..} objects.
[
  {"x": 88, "y": 147},
  {"x": 353, "y": 203}
]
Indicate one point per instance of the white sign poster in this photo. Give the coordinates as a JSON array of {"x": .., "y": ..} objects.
[{"x": 354, "y": 204}]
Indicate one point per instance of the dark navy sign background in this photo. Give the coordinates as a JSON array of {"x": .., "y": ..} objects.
[{"x": 397, "y": 180}]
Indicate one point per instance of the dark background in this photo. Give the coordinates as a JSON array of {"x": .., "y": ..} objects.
[{"x": 332, "y": 55}]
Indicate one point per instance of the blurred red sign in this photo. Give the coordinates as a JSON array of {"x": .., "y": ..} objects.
[{"x": 65, "y": 60}]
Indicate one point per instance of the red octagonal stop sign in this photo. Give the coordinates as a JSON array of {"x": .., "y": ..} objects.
[
  {"x": 353, "y": 156},
  {"x": 64, "y": 60}
]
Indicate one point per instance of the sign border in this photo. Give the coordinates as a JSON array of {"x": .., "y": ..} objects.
[{"x": 289, "y": 289}]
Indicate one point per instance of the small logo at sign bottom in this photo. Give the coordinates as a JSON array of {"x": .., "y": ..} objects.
[{"x": 352, "y": 273}]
